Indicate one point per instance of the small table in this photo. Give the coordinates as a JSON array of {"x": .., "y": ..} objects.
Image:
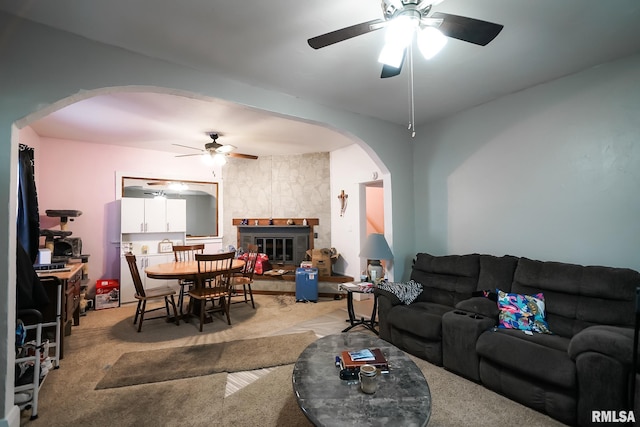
[
  {"x": 370, "y": 324},
  {"x": 403, "y": 396},
  {"x": 69, "y": 299}
]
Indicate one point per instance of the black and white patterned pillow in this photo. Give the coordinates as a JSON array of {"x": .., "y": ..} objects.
[{"x": 406, "y": 292}]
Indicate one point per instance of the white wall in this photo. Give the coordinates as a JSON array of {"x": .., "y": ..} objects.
[
  {"x": 84, "y": 176},
  {"x": 351, "y": 167},
  {"x": 550, "y": 173}
]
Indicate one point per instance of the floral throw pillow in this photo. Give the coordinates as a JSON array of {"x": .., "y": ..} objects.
[{"x": 524, "y": 312}]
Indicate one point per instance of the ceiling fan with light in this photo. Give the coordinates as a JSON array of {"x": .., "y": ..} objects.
[
  {"x": 216, "y": 151},
  {"x": 403, "y": 19}
]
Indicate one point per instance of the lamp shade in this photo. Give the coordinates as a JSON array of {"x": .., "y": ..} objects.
[{"x": 376, "y": 248}]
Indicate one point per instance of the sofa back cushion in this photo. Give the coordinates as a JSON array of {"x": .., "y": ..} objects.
[
  {"x": 496, "y": 272},
  {"x": 447, "y": 279},
  {"x": 577, "y": 296}
]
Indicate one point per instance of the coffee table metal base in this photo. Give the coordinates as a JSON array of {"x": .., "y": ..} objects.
[{"x": 402, "y": 398}]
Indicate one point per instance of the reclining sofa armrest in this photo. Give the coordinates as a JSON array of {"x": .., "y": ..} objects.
[
  {"x": 603, "y": 356},
  {"x": 480, "y": 305},
  {"x": 391, "y": 298},
  {"x": 612, "y": 341}
]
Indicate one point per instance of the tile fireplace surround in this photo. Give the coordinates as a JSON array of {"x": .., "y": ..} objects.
[{"x": 284, "y": 240}]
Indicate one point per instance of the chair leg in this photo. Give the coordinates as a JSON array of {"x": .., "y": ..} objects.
[
  {"x": 202, "y": 305},
  {"x": 175, "y": 310},
  {"x": 144, "y": 308},
  {"x": 135, "y": 318},
  {"x": 187, "y": 318},
  {"x": 251, "y": 295},
  {"x": 181, "y": 298},
  {"x": 226, "y": 309}
]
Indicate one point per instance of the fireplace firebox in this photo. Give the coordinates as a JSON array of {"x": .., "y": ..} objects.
[{"x": 285, "y": 244}]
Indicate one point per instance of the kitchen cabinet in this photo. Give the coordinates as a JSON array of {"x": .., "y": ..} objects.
[
  {"x": 176, "y": 215},
  {"x": 127, "y": 288},
  {"x": 153, "y": 215},
  {"x": 144, "y": 224}
]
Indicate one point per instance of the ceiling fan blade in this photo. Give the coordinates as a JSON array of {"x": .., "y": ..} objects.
[
  {"x": 346, "y": 33},
  {"x": 188, "y": 155},
  {"x": 468, "y": 29},
  {"x": 186, "y": 146},
  {"x": 242, "y": 156},
  {"x": 389, "y": 71}
]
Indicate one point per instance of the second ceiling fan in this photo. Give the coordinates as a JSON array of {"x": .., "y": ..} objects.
[
  {"x": 214, "y": 148},
  {"x": 403, "y": 19}
]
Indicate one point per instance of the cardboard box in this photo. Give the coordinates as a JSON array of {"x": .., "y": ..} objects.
[
  {"x": 323, "y": 259},
  {"x": 107, "y": 294}
]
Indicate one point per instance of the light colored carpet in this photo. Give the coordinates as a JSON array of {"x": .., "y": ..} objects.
[
  {"x": 68, "y": 396},
  {"x": 259, "y": 404},
  {"x": 150, "y": 366}
]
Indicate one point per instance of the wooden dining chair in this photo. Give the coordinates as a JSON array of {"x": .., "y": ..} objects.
[
  {"x": 245, "y": 277},
  {"x": 213, "y": 284},
  {"x": 184, "y": 253},
  {"x": 143, "y": 295}
]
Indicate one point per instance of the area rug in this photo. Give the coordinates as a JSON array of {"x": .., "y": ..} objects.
[{"x": 143, "y": 367}]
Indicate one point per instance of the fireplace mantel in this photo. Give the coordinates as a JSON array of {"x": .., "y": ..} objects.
[{"x": 281, "y": 222}]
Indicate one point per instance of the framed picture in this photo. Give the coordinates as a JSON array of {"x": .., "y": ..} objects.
[{"x": 165, "y": 246}]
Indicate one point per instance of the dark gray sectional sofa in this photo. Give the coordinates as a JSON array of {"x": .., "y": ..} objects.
[{"x": 584, "y": 365}]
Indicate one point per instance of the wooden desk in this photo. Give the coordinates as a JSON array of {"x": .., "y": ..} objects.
[
  {"x": 69, "y": 298},
  {"x": 187, "y": 270}
]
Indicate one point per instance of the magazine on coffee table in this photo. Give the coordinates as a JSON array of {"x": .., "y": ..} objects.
[
  {"x": 378, "y": 360},
  {"x": 361, "y": 355}
]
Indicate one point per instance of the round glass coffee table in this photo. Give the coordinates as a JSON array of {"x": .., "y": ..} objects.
[{"x": 403, "y": 396}]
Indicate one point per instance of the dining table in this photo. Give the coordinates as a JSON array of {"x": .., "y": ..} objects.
[{"x": 186, "y": 270}]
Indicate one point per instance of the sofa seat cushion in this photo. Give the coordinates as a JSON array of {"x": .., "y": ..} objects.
[
  {"x": 539, "y": 356},
  {"x": 423, "y": 319}
]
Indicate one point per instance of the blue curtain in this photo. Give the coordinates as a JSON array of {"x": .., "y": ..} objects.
[{"x": 28, "y": 215}]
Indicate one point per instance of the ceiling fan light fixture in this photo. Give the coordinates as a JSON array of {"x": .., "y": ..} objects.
[
  {"x": 207, "y": 159},
  {"x": 401, "y": 28},
  {"x": 430, "y": 41},
  {"x": 219, "y": 159},
  {"x": 225, "y": 149},
  {"x": 391, "y": 55},
  {"x": 399, "y": 35},
  {"x": 178, "y": 186}
]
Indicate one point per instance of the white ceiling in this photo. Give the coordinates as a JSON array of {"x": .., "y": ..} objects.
[
  {"x": 160, "y": 121},
  {"x": 263, "y": 43}
]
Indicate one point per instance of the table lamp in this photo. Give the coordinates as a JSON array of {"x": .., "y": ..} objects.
[{"x": 375, "y": 248}]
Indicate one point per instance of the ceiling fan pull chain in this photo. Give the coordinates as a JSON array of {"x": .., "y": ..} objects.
[{"x": 412, "y": 123}]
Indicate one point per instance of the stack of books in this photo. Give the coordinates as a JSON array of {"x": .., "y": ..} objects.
[{"x": 353, "y": 359}]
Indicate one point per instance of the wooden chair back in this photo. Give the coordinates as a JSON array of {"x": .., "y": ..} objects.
[
  {"x": 135, "y": 274},
  {"x": 250, "y": 262},
  {"x": 214, "y": 270},
  {"x": 187, "y": 252}
]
